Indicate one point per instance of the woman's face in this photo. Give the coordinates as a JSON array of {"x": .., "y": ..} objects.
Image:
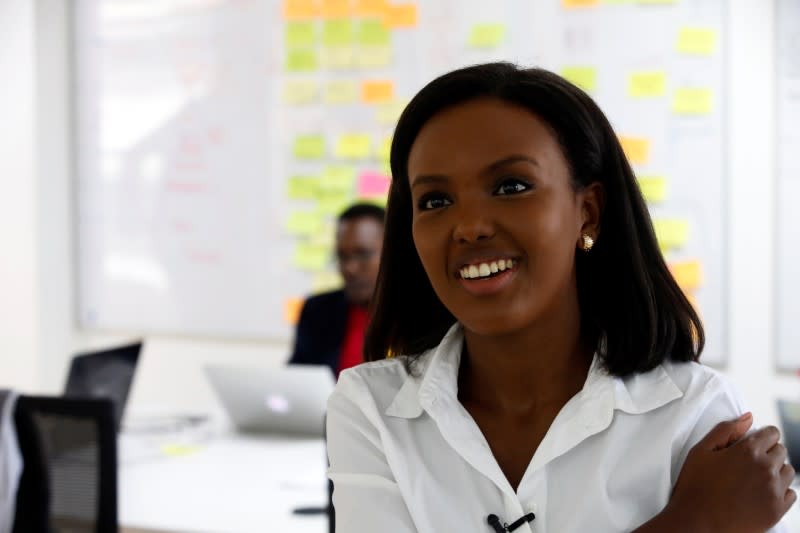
[{"x": 496, "y": 221}]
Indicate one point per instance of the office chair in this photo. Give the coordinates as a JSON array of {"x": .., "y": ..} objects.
[
  {"x": 104, "y": 374},
  {"x": 69, "y": 477}
]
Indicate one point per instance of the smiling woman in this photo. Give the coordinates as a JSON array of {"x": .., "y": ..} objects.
[{"x": 546, "y": 376}]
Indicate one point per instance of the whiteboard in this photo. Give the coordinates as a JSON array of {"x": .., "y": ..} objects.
[
  {"x": 219, "y": 139},
  {"x": 788, "y": 184}
]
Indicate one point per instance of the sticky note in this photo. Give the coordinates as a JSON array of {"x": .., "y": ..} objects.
[
  {"x": 301, "y": 60},
  {"x": 353, "y": 146},
  {"x": 688, "y": 274},
  {"x": 337, "y": 32},
  {"x": 178, "y": 450},
  {"x": 338, "y": 57},
  {"x": 311, "y": 257},
  {"x": 487, "y": 35},
  {"x": 339, "y": 92},
  {"x": 300, "y": 34},
  {"x": 309, "y": 147},
  {"x": 335, "y": 9},
  {"x": 384, "y": 149},
  {"x": 647, "y": 84},
  {"x": 371, "y": 57},
  {"x": 400, "y": 15},
  {"x": 337, "y": 178},
  {"x": 333, "y": 204},
  {"x": 300, "y": 92},
  {"x": 375, "y": 91},
  {"x": 373, "y": 32},
  {"x": 371, "y": 183},
  {"x": 692, "y": 101},
  {"x": 656, "y": 1},
  {"x": 654, "y": 188},
  {"x": 326, "y": 281},
  {"x": 304, "y": 223},
  {"x": 583, "y": 77},
  {"x": 671, "y": 232},
  {"x": 369, "y": 8},
  {"x": 302, "y": 187},
  {"x": 300, "y": 9},
  {"x": 388, "y": 113},
  {"x": 574, "y": 4},
  {"x": 637, "y": 149},
  {"x": 291, "y": 310},
  {"x": 696, "y": 41}
]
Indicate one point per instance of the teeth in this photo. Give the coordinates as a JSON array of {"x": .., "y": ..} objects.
[
  {"x": 482, "y": 270},
  {"x": 494, "y": 266},
  {"x": 501, "y": 264},
  {"x": 473, "y": 271}
]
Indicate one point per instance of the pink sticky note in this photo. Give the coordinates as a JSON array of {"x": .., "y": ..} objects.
[{"x": 371, "y": 183}]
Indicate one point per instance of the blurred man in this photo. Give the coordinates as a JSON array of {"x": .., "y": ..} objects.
[{"x": 332, "y": 325}]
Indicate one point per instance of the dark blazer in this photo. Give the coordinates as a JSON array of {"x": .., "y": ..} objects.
[{"x": 320, "y": 331}]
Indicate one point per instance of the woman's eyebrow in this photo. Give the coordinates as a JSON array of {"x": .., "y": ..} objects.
[
  {"x": 516, "y": 158},
  {"x": 426, "y": 179}
]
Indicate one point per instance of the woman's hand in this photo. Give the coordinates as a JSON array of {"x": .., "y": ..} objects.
[{"x": 733, "y": 483}]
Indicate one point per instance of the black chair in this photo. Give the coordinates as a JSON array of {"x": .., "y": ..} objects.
[
  {"x": 104, "y": 374},
  {"x": 69, "y": 477}
]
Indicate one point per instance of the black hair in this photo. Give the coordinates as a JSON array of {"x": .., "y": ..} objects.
[
  {"x": 363, "y": 210},
  {"x": 632, "y": 310}
]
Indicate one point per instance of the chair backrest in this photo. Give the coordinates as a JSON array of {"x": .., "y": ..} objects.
[
  {"x": 104, "y": 374},
  {"x": 69, "y": 477}
]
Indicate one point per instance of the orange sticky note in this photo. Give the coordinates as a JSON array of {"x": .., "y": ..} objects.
[
  {"x": 291, "y": 310},
  {"x": 369, "y": 8},
  {"x": 376, "y": 91},
  {"x": 300, "y": 9},
  {"x": 400, "y": 16},
  {"x": 572, "y": 4},
  {"x": 637, "y": 149},
  {"x": 688, "y": 274},
  {"x": 335, "y": 9}
]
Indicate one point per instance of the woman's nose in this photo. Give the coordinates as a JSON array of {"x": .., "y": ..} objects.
[{"x": 473, "y": 224}]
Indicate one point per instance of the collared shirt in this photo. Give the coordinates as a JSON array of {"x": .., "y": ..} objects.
[{"x": 405, "y": 456}]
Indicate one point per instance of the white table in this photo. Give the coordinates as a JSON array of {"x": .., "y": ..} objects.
[{"x": 224, "y": 484}]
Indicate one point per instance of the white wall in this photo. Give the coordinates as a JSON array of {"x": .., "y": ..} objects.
[{"x": 37, "y": 329}]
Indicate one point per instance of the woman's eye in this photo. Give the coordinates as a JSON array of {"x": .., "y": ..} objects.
[
  {"x": 433, "y": 202},
  {"x": 511, "y": 186}
]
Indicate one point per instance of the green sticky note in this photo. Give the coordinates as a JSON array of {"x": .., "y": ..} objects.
[
  {"x": 303, "y": 187},
  {"x": 692, "y": 101},
  {"x": 368, "y": 57},
  {"x": 647, "y": 84},
  {"x": 300, "y": 34},
  {"x": 487, "y": 35},
  {"x": 337, "y": 32},
  {"x": 582, "y": 76},
  {"x": 353, "y": 146},
  {"x": 309, "y": 147},
  {"x": 311, "y": 257},
  {"x": 373, "y": 32},
  {"x": 332, "y": 204},
  {"x": 337, "y": 178},
  {"x": 304, "y": 223},
  {"x": 301, "y": 60}
]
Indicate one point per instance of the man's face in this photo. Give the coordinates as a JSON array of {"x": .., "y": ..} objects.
[{"x": 358, "y": 250}]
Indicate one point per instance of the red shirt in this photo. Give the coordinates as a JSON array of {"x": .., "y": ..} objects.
[{"x": 353, "y": 345}]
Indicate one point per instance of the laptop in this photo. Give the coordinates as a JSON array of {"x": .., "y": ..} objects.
[
  {"x": 789, "y": 415},
  {"x": 288, "y": 400}
]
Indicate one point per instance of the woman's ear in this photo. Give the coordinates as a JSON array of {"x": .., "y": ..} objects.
[{"x": 592, "y": 200}]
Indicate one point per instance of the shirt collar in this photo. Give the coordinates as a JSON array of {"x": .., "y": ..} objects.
[{"x": 436, "y": 375}]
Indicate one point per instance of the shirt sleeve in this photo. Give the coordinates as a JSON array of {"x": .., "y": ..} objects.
[{"x": 365, "y": 495}]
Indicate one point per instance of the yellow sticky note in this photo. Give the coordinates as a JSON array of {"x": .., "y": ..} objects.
[
  {"x": 337, "y": 32},
  {"x": 178, "y": 450},
  {"x": 637, "y": 149},
  {"x": 309, "y": 147},
  {"x": 291, "y": 310},
  {"x": 337, "y": 179},
  {"x": 304, "y": 223},
  {"x": 338, "y": 57},
  {"x": 573, "y": 4},
  {"x": 300, "y": 9},
  {"x": 376, "y": 91},
  {"x": 300, "y": 92},
  {"x": 400, "y": 15},
  {"x": 671, "y": 232},
  {"x": 373, "y": 32},
  {"x": 696, "y": 41},
  {"x": 688, "y": 274},
  {"x": 326, "y": 281},
  {"x": 302, "y": 187},
  {"x": 301, "y": 60},
  {"x": 692, "y": 101},
  {"x": 370, "y": 8},
  {"x": 300, "y": 34},
  {"x": 487, "y": 35},
  {"x": 388, "y": 113},
  {"x": 654, "y": 188},
  {"x": 336, "y": 9},
  {"x": 353, "y": 146},
  {"x": 332, "y": 204},
  {"x": 339, "y": 92},
  {"x": 583, "y": 77},
  {"x": 368, "y": 57},
  {"x": 384, "y": 149},
  {"x": 647, "y": 84},
  {"x": 311, "y": 257}
]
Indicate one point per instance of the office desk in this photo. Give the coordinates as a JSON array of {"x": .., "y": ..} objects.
[{"x": 228, "y": 484}]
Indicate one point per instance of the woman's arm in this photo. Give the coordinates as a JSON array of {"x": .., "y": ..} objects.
[{"x": 731, "y": 485}]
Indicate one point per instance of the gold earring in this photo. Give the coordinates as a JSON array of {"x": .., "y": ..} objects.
[{"x": 586, "y": 242}]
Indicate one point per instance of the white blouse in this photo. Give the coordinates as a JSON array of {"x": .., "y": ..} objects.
[{"x": 405, "y": 456}]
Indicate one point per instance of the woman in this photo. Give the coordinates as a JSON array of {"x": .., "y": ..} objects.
[{"x": 548, "y": 378}]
